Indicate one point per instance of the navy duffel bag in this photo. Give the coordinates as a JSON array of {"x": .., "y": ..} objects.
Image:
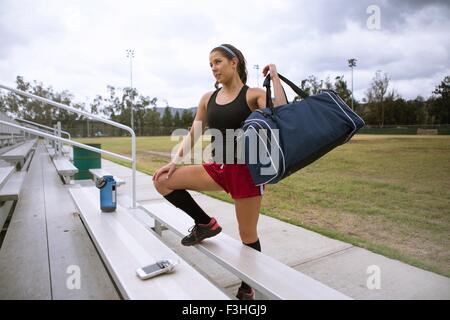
[{"x": 280, "y": 141}]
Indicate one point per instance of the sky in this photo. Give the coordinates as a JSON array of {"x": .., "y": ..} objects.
[{"x": 81, "y": 46}]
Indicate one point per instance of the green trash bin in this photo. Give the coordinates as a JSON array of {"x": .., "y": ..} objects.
[{"x": 85, "y": 159}]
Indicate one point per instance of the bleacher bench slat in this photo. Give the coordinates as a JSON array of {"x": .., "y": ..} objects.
[
  {"x": 65, "y": 168},
  {"x": 5, "y": 173},
  {"x": 272, "y": 278},
  {"x": 11, "y": 190},
  {"x": 99, "y": 173},
  {"x": 126, "y": 245},
  {"x": 19, "y": 154},
  {"x": 51, "y": 152}
]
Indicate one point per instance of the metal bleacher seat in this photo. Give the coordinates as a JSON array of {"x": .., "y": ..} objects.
[
  {"x": 271, "y": 278},
  {"x": 99, "y": 173},
  {"x": 19, "y": 154},
  {"x": 125, "y": 245}
]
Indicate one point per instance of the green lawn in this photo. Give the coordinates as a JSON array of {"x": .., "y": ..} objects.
[{"x": 389, "y": 194}]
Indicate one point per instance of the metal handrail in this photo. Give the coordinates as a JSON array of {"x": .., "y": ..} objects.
[
  {"x": 40, "y": 130},
  {"x": 40, "y": 133},
  {"x": 88, "y": 115},
  {"x": 43, "y": 126}
]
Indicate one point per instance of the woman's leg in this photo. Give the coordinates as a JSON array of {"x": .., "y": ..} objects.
[
  {"x": 193, "y": 177},
  {"x": 173, "y": 189},
  {"x": 247, "y": 213}
]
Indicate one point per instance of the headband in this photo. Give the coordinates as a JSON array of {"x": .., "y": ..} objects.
[{"x": 229, "y": 51}]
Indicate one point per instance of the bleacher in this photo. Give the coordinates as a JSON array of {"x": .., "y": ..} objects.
[
  {"x": 44, "y": 240},
  {"x": 123, "y": 244},
  {"x": 18, "y": 155},
  {"x": 55, "y": 224},
  {"x": 126, "y": 245},
  {"x": 63, "y": 164},
  {"x": 100, "y": 173},
  {"x": 47, "y": 214},
  {"x": 11, "y": 179},
  {"x": 271, "y": 278}
]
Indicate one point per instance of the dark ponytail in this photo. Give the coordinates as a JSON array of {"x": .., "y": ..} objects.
[{"x": 242, "y": 64}]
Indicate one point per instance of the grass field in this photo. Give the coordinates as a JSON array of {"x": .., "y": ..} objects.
[{"x": 389, "y": 194}]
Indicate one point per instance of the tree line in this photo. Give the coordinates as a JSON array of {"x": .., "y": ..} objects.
[
  {"x": 116, "y": 106},
  {"x": 381, "y": 106}
]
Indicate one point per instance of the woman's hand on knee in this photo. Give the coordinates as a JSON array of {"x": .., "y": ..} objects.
[{"x": 169, "y": 168}]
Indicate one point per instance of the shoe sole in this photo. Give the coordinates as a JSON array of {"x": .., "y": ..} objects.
[{"x": 216, "y": 232}]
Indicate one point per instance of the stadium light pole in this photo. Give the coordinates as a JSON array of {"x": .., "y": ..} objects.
[
  {"x": 351, "y": 64},
  {"x": 130, "y": 54},
  {"x": 256, "y": 66}
]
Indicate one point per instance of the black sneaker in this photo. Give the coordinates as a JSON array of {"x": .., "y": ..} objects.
[
  {"x": 245, "y": 294},
  {"x": 198, "y": 232}
]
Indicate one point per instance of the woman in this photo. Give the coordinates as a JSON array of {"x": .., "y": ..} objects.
[{"x": 225, "y": 108}]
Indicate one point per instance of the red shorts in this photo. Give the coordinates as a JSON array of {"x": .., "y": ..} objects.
[{"x": 235, "y": 179}]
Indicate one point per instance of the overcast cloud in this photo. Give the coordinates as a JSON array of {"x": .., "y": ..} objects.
[{"x": 80, "y": 45}]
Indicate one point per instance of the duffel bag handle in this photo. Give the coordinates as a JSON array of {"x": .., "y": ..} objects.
[{"x": 295, "y": 88}]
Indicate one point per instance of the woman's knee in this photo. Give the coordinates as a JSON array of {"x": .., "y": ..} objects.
[{"x": 161, "y": 184}]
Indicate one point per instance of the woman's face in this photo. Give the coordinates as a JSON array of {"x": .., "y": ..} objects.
[{"x": 222, "y": 68}]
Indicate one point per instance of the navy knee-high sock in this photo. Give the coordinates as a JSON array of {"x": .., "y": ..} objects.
[
  {"x": 257, "y": 246},
  {"x": 184, "y": 201}
]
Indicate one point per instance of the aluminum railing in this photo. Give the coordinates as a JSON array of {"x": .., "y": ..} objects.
[
  {"x": 42, "y": 126},
  {"x": 81, "y": 145},
  {"x": 56, "y": 130}
]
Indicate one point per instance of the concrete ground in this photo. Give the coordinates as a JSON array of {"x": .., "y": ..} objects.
[{"x": 354, "y": 271}]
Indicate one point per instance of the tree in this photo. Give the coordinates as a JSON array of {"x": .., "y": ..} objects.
[
  {"x": 440, "y": 106},
  {"x": 141, "y": 109},
  {"x": 187, "y": 118},
  {"x": 377, "y": 91},
  {"x": 340, "y": 86},
  {"x": 177, "y": 120},
  {"x": 96, "y": 104},
  {"x": 311, "y": 85},
  {"x": 3, "y": 106},
  {"x": 167, "y": 119},
  {"x": 111, "y": 103},
  {"x": 152, "y": 121}
]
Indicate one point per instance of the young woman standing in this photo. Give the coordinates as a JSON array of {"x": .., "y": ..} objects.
[{"x": 225, "y": 108}]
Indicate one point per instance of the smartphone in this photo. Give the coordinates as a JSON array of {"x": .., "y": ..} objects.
[{"x": 152, "y": 270}]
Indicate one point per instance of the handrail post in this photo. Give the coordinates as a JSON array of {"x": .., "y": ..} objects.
[
  {"x": 53, "y": 141},
  {"x": 58, "y": 125},
  {"x": 133, "y": 164}
]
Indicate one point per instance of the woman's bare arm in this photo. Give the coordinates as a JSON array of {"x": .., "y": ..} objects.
[{"x": 279, "y": 96}]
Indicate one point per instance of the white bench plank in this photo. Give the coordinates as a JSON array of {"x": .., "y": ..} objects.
[
  {"x": 126, "y": 245},
  {"x": 5, "y": 173},
  {"x": 11, "y": 190},
  {"x": 51, "y": 152},
  {"x": 64, "y": 166},
  {"x": 45, "y": 238},
  {"x": 99, "y": 173},
  {"x": 20, "y": 152},
  {"x": 69, "y": 244},
  {"x": 267, "y": 275},
  {"x": 25, "y": 245}
]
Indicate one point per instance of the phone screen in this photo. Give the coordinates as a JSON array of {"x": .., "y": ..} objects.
[{"x": 152, "y": 268}]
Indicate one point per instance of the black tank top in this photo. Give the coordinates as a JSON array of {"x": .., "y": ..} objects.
[{"x": 227, "y": 116}]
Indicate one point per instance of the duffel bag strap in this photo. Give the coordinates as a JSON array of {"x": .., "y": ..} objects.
[{"x": 295, "y": 88}]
